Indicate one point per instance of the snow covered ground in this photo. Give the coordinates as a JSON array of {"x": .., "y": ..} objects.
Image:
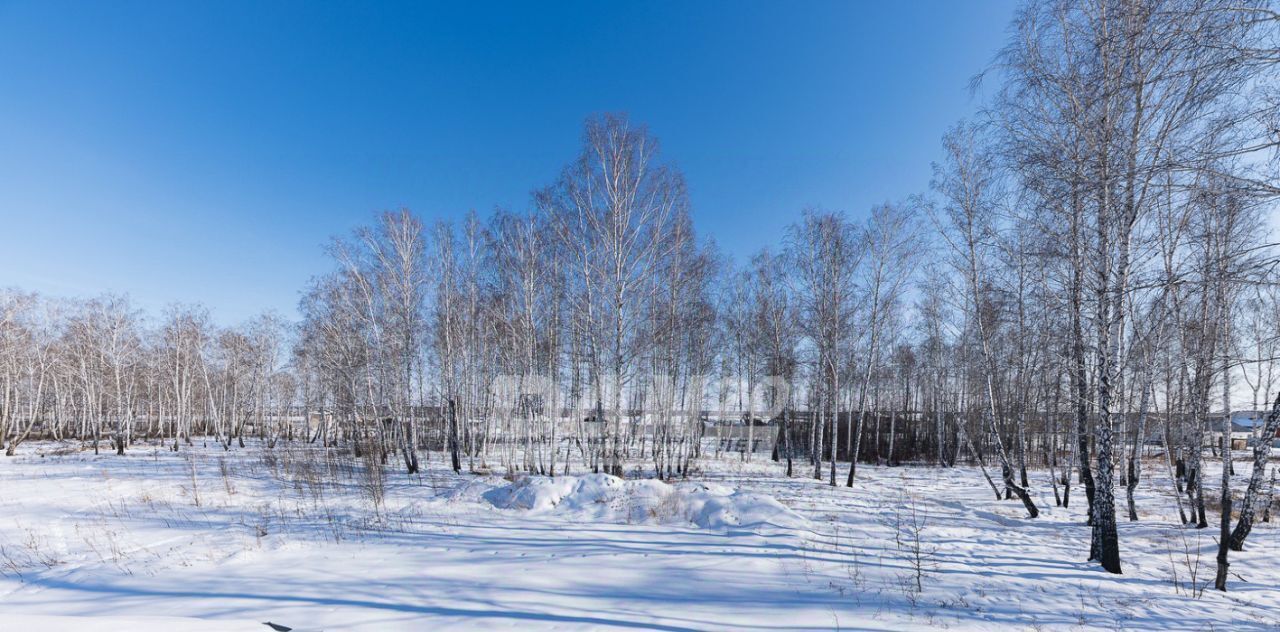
[{"x": 207, "y": 540}]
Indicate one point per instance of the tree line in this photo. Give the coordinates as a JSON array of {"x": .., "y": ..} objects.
[{"x": 1090, "y": 274}]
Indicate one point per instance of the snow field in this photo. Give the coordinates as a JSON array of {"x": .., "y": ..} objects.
[{"x": 206, "y": 539}]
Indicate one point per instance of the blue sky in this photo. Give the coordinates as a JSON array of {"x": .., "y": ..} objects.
[{"x": 205, "y": 152}]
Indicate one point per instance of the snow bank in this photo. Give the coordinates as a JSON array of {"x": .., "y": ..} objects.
[{"x": 605, "y": 498}]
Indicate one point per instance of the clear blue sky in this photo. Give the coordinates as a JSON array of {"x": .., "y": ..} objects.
[{"x": 184, "y": 151}]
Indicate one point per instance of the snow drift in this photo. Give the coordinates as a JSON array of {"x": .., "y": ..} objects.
[{"x": 605, "y": 498}]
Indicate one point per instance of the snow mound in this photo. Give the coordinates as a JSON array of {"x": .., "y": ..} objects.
[
  {"x": 605, "y": 498},
  {"x": 472, "y": 490}
]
